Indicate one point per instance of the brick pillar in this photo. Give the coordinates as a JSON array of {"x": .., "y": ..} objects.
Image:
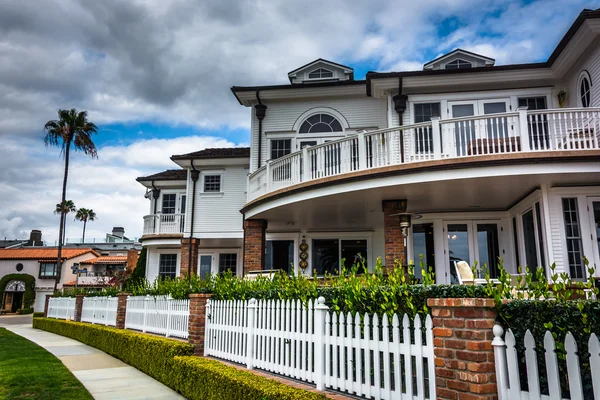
[
  {"x": 121, "y": 310},
  {"x": 394, "y": 241},
  {"x": 197, "y": 322},
  {"x": 254, "y": 244},
  {"x": 78, "y": 307},
  {"x": 464, "y": 363},
  {"x": 189, "y": 263},
  {"x": 47, "y": 301}
]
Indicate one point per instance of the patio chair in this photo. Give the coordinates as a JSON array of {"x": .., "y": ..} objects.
[{"x": 465, "y": 275}]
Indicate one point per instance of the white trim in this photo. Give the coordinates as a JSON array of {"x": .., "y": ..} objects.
[
  {"x": 205, "y": 173},
  {"x": 177, "y": 252},
  {"x": 584, "y": 75},
  {"x": 320, "y": 110}
]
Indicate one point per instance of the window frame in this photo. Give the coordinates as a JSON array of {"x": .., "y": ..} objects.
[
  {"x": 162, "y": 202},
  {"x": 578, "y": 238},
  {"x": 274, "y": 140},
  {"x": 584, "y": 76},
  {"x": 458, "y": 62},
  {"x": 228, "y": 253},
  {"x": 212, "y": 174},
  {"x": 43, "y": 276},
  {"x": 320, "y": 70},
  {"x": 330, "y": 133},
  {"x": 339, "y": 237},
  {"x": 160, "y": 257}
]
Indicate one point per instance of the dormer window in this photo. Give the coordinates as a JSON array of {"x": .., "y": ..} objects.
[
  {"x": 458, "y": 64},
  {"x": 320, "y": 123},
  {"x": 320, "y": 73}
]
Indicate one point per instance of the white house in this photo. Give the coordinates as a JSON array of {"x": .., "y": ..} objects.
[{"x": 463, "y": 160}]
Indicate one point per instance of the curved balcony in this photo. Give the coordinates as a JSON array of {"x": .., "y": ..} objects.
[
  {"x": 164, "y": 224},
  {"x": 522, "y": 132}
]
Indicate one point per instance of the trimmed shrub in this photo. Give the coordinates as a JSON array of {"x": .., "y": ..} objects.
[
  {"x": 25, "y": 311},
  {"x": 203, "y": 379},
  {"x": 171, "y": 362},
  {"x": 38, "y": 314}
]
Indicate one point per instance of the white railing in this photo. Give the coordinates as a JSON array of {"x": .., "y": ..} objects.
[
  {"x": 361, "y": 355},
  {"x": 514, "y": 132},
  {"x": 508, "y": 375},
  {"x": 61, "y": 308},
  {"x": 160, "y": 314},
  {"x": 100, "y": 310},
  {"x": 164, "y": 224}
]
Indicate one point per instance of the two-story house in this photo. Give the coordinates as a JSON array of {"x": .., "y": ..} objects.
[{"x": 460, "y": 161}]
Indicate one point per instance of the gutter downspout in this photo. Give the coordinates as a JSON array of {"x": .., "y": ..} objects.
[
  {"x": 259, "y": 110},
  {"x": 155, "y": 196},
  {"x": 400, "y": 106},
  {"x": 194, "y": 174}
]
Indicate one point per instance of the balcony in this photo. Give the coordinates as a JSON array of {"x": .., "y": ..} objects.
[
  {"x": 494, "y": 134},
  {"x": 164, "y": 224}
]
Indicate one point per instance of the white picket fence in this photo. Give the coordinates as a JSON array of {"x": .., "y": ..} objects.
[
  {"x": 508, "y": 375},
  {"x": 100, "y": 310},
  {"x": 61, "y": 308},
  {"x": 158, "y": 314},
  {"x": 361, "y": 355}
]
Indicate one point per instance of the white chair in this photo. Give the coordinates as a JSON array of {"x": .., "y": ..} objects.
[
  {"x": 267, "y": 273},
  {"x": 465, "y": 275}
]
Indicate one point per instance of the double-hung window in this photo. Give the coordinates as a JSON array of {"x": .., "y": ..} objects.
[
  {"x": 228, "y": 262},
  {"x": 212, "y": 183},
  {"x": 169, "y": 203},
  {"x": 47, "y": 270},
  {"x": 573, "y": 236},
  {"x": 280, "y": 148},
  {"x": 167, "y": 267}
]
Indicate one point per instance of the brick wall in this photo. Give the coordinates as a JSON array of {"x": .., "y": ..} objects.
[
  {"x": 464, "y": 364},
  {"x": 187, "y": 263},
  {"x": 254, "y": 244},
  {"x": 394, "y": 241},
  {"x": 197, "y": 322},
  {"x": 78, "y": 307},
  {"x": 121, "y": 309}
]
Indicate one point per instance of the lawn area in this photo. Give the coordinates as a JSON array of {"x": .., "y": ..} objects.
[{"x": 29, "y": 372}]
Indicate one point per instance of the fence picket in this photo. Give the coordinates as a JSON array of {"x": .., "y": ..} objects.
[
  {"x": 551, "y": 367},
  {"x": 532, "y": 367},
  {"x": 418, "y": 352},
  {"x": 594, "y": 350},
  {"x": 406, "y": 351},
  {"x": 573, "y": 370}
]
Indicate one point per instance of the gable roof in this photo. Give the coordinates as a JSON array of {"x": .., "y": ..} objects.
[
  {"x": 459, "y": 51},
  {"x": 227, "y": 152},
  {"x": 324, "y": 61},
  {"x": 43, "y": 253},
  {"x": 168, "y": 175},
  {"x": 106, "y": 260}
]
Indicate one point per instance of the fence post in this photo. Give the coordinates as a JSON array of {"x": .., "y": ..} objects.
[
  {"x": 46, "y": 303},
  {"x": 250, "y": 333},
  {"x": 464, "y": 363},
  {"x": 78, "y": 307},
  {"x": 362, "y": 151},
  {"x": 169, "y": 309},
  {"x": 197, "y": 321},
  {"x": 320, "y": 330},
  {"x": 107, "y": 300},
  {"x": 436, "y": 138},
  {"x": 121, "y": 310},
  {"x": 500, "y": 361},
  {"x": 524, "y": 129}
]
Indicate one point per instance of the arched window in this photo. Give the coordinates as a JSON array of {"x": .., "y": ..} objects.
[
  {"x": 585, "y": 89},
  {"x": 321, "y": 123},
  {"x": 458, "y": 64},
  {"x": 320, "y": 73}
]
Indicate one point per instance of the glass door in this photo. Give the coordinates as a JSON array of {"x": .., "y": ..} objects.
[
  {"x": 494, "y": 128},
  {"x": 423, "y": 246},
  {"x": 459, "y": 246},
  {"x": 594, "y": 213},
  {"x": 205, "y": 264},
  {"x": 487, "y": 250},
  {"x": 464, "y": 131}
]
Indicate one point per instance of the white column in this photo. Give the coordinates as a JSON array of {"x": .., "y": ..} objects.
[
  {"x": 320, "y": 330},
  {"x": 362, "y": 151},
  {"x": 268, "y": 174},
  {"x": 437, "y": 140},
  {"x": 305, "y": 164},
  {"x": 250, "y": 335},
  {"x": 524, "y": 129}
]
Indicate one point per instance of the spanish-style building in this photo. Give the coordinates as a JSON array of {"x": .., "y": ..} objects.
[{"x": 463, "y": 160}]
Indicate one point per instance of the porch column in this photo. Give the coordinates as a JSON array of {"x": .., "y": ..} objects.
[
  {"x": 78, "y": 307},
  {"x": 254, "y": 244},
  {"x": 394, "y": 241},
  {"x": 189, "y": 260}
]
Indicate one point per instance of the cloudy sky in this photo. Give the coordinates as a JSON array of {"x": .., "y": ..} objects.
[{"x": 155, "y": 76}]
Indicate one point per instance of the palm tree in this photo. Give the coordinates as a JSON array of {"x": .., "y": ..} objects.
[
  {"x": 70, "y": 129},
  {"x": 67, "y": 207},
  {"x": 85, "y": 215}
]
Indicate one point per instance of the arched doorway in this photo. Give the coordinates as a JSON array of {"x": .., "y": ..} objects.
[{"x": 13, "y": 295}]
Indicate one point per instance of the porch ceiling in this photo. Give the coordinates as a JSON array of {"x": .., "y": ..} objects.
[{"x": 361, "y": 209}]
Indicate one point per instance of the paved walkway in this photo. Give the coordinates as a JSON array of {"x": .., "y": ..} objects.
[{"x": 103, "y": 376}]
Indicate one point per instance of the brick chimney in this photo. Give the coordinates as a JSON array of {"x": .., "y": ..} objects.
[
  {"x": 118, "y": 231},
  {"x": 35, "y": 238}
]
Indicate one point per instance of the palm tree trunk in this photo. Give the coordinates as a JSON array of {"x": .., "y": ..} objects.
[
  {"x": 62, "y": 218},
  {"x": 83, "y": 238}
]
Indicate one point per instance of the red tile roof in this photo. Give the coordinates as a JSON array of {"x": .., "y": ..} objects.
[
  {"x": 40, "y": 253},
  {"x": 106, "y": 260}
]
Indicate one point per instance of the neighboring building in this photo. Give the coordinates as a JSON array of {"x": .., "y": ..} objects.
[
  {"x": 97, "y": 273},
  {"x": 35, "y": 239},
  {"x": 40, "y": 263},
  {"x": 463, "y": 160}
]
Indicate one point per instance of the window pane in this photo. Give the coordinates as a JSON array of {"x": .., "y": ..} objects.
[
  {"x": 326, "y": 256},
  {"x": 573, "y": 236},
  {"x": 168, "y": 203},
  {"x": 531, "y": 258},
  {"x": 314, "y": 119},
  {"x": 320, "y": 128},
  {"x": 336, "y": 126},
  {"x": 205, "y": 266},
  {"x": 212, "y": 183},
  {"x": 228, "y": 262},
  {"x": 280, "y": 148},
  {"x": 352, "y": 252},
  {"x": 280, "y": 255},
  {"x": 167, "y": 267},
  {"x": 321, "y": 123},
  {"x": 423, "y": 246},
  {"x": 487, "y": 244},
  {"x": 533, "y": 103},
  {"x": 424, "y": 111},
  {"x": 458, "y": 246}
]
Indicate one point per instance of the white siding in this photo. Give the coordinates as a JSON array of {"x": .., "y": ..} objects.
[
  {"x": 359, "y": 112},
  {"x": 589, "y": 61},
  {"x": 40, "y": 300}
]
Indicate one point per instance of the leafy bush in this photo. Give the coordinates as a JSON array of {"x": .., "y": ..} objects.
[
  {"x": 139, "y": 272},
  {"x": 25, "y": 311},
  {"x": 170, "y": 362},
  {"x": 177, "y": 288},
  {"x": 204, "y": 379},
  {"x": 72, "y": 292}
]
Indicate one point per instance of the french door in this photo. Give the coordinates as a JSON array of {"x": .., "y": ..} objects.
[
  {"x": 205, "y": 265},
  {"x": 594, "y": 216},
  {"x": 472, "y": 241}
]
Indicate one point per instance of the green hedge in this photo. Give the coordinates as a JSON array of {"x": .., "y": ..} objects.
[
  {"x": 25, "y": 311},
  {"x": 38, "y": 314},
  {"x": 171, "y": 362}
]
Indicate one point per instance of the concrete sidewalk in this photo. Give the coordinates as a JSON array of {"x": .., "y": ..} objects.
[{"x": 103, "y": 376}]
